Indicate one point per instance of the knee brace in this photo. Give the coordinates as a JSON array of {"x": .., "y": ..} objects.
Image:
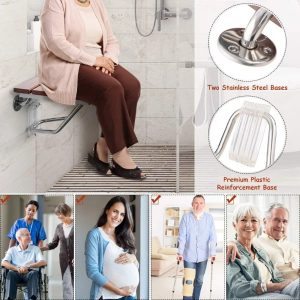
[{"x": 188, "y": 281}]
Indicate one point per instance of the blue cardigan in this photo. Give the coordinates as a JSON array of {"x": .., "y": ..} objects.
[{"x": 95, "y": 247}]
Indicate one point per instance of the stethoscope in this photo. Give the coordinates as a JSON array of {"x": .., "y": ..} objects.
[{"x": 29, "y": 227}]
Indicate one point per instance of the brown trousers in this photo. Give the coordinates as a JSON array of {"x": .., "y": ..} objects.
[{"x": 115, "y": 98}]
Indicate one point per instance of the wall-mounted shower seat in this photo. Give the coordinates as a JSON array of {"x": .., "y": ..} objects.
[{"x": 28, "y": 95}]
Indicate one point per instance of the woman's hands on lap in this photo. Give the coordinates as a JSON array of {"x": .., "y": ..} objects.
[{"x": 105, "y": 64}]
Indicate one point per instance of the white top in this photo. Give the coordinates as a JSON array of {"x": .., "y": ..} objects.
[
  {"x": 18, "y": 257},
  {"x": 283, "y": 254},
  {"x": 263, "y": 270},
  {"x": 121, "y": 275},
  {"x": 93, "y": 30},
  {"x": 67, "y": 229}
]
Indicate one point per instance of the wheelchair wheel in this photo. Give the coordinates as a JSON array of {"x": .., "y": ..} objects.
[
  {"x": 0, "y": 285},
  {"x": 45, "y": 286}
]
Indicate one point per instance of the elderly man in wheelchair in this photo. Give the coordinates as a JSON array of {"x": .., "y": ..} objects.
[{"x": 22, "y": 263}]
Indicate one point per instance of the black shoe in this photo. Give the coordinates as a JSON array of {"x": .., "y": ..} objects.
[
  {"x": 102, "y": 167},
  {"x": 127, "y": 173}
]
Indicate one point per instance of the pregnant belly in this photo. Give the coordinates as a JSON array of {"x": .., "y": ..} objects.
[{"x": 122, "y": 274}]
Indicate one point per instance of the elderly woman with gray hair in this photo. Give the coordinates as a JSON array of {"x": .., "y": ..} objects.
[
  {"x": 64, "y": 235},
  {"x": 253, "y": 276}
]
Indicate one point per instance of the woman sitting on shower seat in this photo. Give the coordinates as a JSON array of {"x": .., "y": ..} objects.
[{"x": 79, "y": 60}]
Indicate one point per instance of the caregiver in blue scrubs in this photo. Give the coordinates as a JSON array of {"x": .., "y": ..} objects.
[{"x": 35, "y": 227}]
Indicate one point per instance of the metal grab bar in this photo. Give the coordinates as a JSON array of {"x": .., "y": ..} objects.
[
  {"x": 33, "y": 129},
  {"x": 33, "y": 124}
]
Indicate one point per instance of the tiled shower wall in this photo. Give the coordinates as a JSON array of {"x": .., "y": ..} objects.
[{"x": 35, "y": 163}]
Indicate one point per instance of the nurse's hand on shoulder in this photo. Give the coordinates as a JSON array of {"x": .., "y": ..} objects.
[{"x": 104, "y": 62}]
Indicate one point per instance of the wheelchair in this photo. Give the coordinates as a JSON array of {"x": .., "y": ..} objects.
[{"x": 42, "y": 284}]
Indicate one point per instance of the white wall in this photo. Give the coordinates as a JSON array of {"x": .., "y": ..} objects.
[{"x": 33, "y": 164}]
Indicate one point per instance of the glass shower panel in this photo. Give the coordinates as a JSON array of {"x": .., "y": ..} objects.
[
  {"x": 185, "y": 96},
  {"x": 195, "y": 103},
  {"x": 206, "y": 101}
]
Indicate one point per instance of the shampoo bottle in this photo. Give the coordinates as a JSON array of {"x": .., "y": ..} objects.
[{"x": 36, "y": 31}]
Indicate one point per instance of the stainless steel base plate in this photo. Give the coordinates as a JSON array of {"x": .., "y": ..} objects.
[{"x": 262, "y": 54}]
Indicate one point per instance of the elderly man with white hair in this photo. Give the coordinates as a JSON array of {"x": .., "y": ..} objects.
[{"x": 21, "y": 262}]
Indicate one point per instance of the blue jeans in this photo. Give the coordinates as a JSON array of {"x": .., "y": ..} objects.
[
  {"x": 200, "y": 268},
  {"x": 127, "y": 298}
]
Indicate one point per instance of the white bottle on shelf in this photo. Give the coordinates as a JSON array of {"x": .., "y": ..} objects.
[
  {"x": 36, "y": 31},
  {"x": 29, "y": 40}
]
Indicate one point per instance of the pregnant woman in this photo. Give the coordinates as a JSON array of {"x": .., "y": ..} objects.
[
  {"x": 111, "y": 263},
  {"x": 79, "y": 60}
]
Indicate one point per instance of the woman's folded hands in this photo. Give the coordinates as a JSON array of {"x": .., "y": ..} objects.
[{"x": 105, "y": 64}]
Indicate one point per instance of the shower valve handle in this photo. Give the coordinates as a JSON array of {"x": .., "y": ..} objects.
[{"x": 165, "y": 14}]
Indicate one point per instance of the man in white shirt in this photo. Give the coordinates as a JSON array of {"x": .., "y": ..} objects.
[
  {"x": 20, "y": 261},
  {"x": 283, "y": 254}
]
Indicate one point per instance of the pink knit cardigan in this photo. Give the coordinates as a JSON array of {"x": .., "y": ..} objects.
[{"x": 62, "y": 43}]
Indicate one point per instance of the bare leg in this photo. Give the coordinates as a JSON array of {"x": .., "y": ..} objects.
[
  {"x": 102, "y": 150},
  {"x": 124, "y": 159}
]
